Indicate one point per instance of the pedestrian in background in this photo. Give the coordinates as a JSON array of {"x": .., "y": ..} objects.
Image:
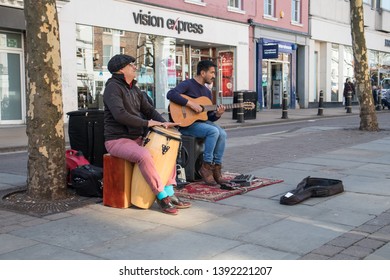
[{"x": 348, "y": 86}]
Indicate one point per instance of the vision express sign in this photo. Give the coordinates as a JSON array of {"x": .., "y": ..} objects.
[{"x": 148, "y": 19}]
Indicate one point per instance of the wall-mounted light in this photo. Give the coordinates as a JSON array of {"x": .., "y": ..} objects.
[{"x": 281, "y": 14}]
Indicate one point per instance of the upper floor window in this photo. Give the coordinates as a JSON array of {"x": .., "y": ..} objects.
[
  {"x": 196, "y": 2},
  {"x": 385, "y": 5},
  {"x": 235, "y": 4},
  {"x": 269, "y": 7},
  {"x": 296, "y": 10}
]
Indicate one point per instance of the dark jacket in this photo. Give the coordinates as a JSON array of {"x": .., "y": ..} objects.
[
  {"x": 348, "y": 87},
  {"x": 192, "y": 89},
  {"x": 126, "y": 110}
]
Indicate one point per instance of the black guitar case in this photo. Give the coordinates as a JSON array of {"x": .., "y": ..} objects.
[{"x": 312, "y": 187}]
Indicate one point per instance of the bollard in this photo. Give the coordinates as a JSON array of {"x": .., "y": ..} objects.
[
  {"x": 240, "y": 110},
  {"x": 321, "y": 104},
  {"x": 284, "y": 106},
  {"x": 349, "y": 102},
  {"x": 379, "y": 101}
]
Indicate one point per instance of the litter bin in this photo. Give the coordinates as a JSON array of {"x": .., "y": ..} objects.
[
  {"x": 86, "y": 134},
  {"x": 248, "y": 96}
]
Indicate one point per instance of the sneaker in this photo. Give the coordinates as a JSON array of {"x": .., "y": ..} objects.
[
  {"x": 180, "y": 204},
  {"x": 166, "y": 206}
]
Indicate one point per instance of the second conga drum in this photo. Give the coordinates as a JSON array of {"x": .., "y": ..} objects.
[{"x": 163, "y": 144}]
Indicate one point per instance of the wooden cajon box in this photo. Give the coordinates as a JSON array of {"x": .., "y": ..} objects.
[{"x": 117, "y": 175}]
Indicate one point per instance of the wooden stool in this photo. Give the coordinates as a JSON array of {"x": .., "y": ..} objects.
[{"x": 117, "y": 176}]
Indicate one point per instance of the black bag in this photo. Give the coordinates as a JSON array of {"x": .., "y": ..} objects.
[
  {"x": 86, "y": 134},
  {"x": 87, "y": 180},
  {"x": 312, "y": 187}
]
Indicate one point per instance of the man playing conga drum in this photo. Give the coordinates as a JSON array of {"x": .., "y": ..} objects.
[{"x": 127, "y": 113}]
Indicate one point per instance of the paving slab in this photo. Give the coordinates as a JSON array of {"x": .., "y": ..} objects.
[
  {"x": 357, "y": 202},
  {"x": 46, "y": 252},
  {"x": 200, "y": 212},
  {"x": 11, "y": 243},
  {"x": 254, "y": 252},
  {"x": 368, "y": 185},
  {"x": 8, "y": 181},
  {"x": 299, "y": 236},
  {"x": 382, "y": 253},
  {"x": 78, "y": 232},
  {"x": 165, "y": 243},
  {"x": 274, "y": 207},
  {"x": 233, "y": 225}
]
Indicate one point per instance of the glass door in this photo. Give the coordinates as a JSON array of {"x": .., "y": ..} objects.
[{"x": 10, "y": 87}]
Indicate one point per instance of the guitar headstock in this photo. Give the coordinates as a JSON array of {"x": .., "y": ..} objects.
[{"x": 248, "y": 105}]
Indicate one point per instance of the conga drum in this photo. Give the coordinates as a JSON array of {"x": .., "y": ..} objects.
[{"x": 163, "y": 144}]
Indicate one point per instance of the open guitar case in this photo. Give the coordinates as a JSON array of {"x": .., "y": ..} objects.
[{"x": 312, "y": 187}]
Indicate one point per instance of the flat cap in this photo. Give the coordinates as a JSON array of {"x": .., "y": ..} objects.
[{"x": 119, "y": 61}]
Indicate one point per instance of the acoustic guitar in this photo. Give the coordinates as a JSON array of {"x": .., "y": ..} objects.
[{"x": 186, "y": 116}]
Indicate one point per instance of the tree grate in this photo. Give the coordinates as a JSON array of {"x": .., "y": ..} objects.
[{"x": 18, "y": 201}]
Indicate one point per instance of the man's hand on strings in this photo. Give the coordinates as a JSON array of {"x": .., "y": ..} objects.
[{"x": 220, "y": 110}]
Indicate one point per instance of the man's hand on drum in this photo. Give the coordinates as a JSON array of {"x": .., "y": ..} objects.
[{"x": 163, "y": 124}]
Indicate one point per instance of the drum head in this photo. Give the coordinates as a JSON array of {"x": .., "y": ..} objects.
[{"x": 171, "y": 132}]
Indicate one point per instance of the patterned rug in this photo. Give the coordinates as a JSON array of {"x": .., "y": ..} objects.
[{"x": 200, "y": 191}]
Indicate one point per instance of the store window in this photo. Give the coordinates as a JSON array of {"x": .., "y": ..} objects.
[
  {"x": 162, "y": 63},
  {"x": 269, "y": 7},
  {"x": 276, "y": 79},
  {"x": 334, "y": 70},
  {"x": 348, "y": 71},
  {"x": 296, "y": 11},
  {"x": 10, "y": 77},
  {"x": 379, "y": 66},
  {"x": 226, "y": 70}
]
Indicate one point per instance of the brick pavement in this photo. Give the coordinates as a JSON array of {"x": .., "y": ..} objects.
[{"x": 356, "y": 244}]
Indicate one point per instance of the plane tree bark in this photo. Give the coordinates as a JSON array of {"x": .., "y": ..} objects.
[
  {"x": 368, "y": 118},
  {"x": 46, "y": 178}
]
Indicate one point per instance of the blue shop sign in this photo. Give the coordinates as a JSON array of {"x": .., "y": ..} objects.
[{"x": 270, "y": 51}]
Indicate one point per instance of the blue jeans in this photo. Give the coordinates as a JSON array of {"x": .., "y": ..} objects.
[{"x": 215, "y": 139}]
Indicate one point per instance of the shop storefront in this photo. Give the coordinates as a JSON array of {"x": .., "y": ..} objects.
[
  {"x": 331, "y": 54},
  {"x": 167, "y": 46},
  {"x": 281, "y": 59},
  {"x": 277, "y": 60},
  {"x": 12, "y": 89}
]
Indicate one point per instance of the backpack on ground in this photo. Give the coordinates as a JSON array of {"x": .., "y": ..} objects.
[
  {"x": 73, "y": 159},
  {"x": 87, "y": 180}
]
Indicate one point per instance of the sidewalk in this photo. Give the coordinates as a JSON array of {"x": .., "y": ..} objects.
[
  {"x": 13, "y": 137},
  {"x": 352, "y": 225}
]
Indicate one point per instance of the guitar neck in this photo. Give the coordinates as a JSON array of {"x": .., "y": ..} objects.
[{"x": 227, "y": 106}]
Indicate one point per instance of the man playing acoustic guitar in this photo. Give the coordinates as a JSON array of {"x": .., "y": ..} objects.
[{"x": 185, "y": 95}]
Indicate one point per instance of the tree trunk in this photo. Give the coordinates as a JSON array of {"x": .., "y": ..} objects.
[
  {"x": 368, "y": 119},
  {"x": 46, "y": 177}
]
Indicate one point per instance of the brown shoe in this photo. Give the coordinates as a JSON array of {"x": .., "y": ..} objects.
[
  {"x": 178, "y": 203},
  {"x": 217, "y": 174},
  {"x": 206, "y": 171},
  {"x": 166, "y": 206}
]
